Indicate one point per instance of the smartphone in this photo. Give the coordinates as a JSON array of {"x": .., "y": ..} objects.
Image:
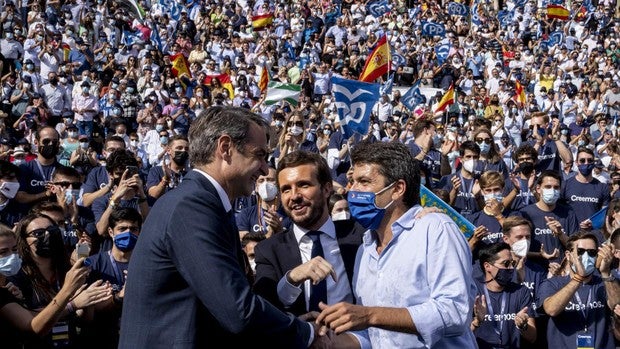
[
  {"x": 83, "y": 250},
  {"x": 131, "y": 171}
]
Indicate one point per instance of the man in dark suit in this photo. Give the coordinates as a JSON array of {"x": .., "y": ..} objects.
[
  {"x": 286, "y": 271},
  {"x": 187, "y": 285}
]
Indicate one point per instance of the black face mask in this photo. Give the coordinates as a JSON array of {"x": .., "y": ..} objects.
[
  {"x": 180, "y": 157},
  {"x": 526, "y": 168},
  {"x": 48, "y": 151},
  {"x": 54, "y": 81},
  {"x": 50, "y": 244}
]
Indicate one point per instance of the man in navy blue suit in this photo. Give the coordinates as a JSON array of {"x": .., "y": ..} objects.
[
  {"x": 285, "y": 267},
  {"x": 187, "y": 284}
]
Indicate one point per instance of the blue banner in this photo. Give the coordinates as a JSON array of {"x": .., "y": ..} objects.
[
  {"x": 354, "y": 100},
  {"x": 442, "y": 51},
  {"x": 378, "y": 8},
  {"x": 428, "y": 198},
  {"x": 475, "y": 17},
  {"x": 555, "y": 38},
  {"x": 413, "y": 97},
  {"x": 156, "y": 39},
  {"x": 433, "y": 29},
  {"x": 505, "y": 17},
  {"x": 386, "y": 88},
  {"x": 598, "y": 219},
  {"x": 457, "y": 9},
  {"x": 398, "y": 60}
]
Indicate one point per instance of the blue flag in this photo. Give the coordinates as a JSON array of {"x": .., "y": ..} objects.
[
  {"x": 354, "y": 100},
  {"x": 588, "y": 5},
  {"x": 398, "y": 60},
  {"x": 555, "y": 38},
  {"x": 433, "y": 29},
  {"x": 387, "y": 85},
  {"x": 156, "y": 39},
  {"x": 520, "y": 3},
  {"x": 130, "y": 38},
  {"x": 457, "y": 9},
  {"x": 505, "y": 17},
  {"x": 378, "y": 8},
  {"x": 475, "y": 17},
  {"x": 413, "y": 97},
  {"x": 442, "y": 51},
  {"x": 598, "y": 219}
]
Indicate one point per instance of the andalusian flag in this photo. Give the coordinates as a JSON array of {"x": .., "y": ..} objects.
[
  {"x": 264, "y": 79},
  {"x": 260, "y": 22},
  {"x": 135, "y": 9},
  {"x": 446, "y": 100},
  {"x": 558, "y": 12},
  {"x": 278, "y": 91},
  {"x": 519, "y": 93},
  {"x": 378, "y": 62},
  {"x": 180, "y": 65}
]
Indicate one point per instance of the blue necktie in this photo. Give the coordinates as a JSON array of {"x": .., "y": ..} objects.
[{"x": 318, "y": 292}]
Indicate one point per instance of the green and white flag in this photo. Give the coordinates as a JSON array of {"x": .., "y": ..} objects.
[{"x": 277, "y": 91}]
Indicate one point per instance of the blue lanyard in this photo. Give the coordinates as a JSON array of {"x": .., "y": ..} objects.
[
  {"x": 43, "y": 173},
  {"x": 466, "y": 190},
  {"x": 526, "y": 197},
  {"x": 496, "y": 327},
  {"x": 117, "y": 273},
  {"x": 584, "y": 310}
]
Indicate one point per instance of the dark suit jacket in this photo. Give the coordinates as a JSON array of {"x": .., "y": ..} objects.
[
  {"x": 186, "y": 286},
  {"x": 280, "y": 253}
]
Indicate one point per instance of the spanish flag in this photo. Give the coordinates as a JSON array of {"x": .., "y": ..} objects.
[
  {"x": 519, "y": 93},
  {"x": 180, "y": 65},
  {"x": 558, "y": 12},
  {"x": 260, "y": 22},
  {"x": 446, "y": 100},
  {"x": 378, "y": 62},
  {"x": 264, "y": 79},
  {"x": 224, "y": 80}
]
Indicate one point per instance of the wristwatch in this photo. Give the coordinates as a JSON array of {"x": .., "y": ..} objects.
[{"x": 610, "y": 278}]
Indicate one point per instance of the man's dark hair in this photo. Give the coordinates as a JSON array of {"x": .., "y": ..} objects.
[
  {"x": 252, "y": 236},
  {"x": 395, "y": 163},
  {"x": 8, "y": 169},
  {"x": 65, "y": 171},
  {"x": 120, "y": 159},
  {"x": 421, "y": 125},
  {"x": 215, "y": 122},
  {"x": 37, "y": 135},
  {"x": 469, "y": 145},
  {"x": 525, "y": 149},
  {"x": 301, "y": 157},
  {"x": 129, "y": 214},
  {"x": 548, "y": 173},
  {"x": 584, "y": 150},
  {"x": 114, "y": 139},
  {"x": 490, "y": 253},
  {"x": 580, "y": 235}
]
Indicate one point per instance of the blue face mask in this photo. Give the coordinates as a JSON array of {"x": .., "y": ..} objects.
[
  {"x": 589, "y": 264},
  {"x": 364, "y": 210},
  {"x": 125, "y": 241},
  {"x": 163, "y": 140},
  {"x": 585, "y": 169},
  {"x": 159, "y": 128},
  {"x": 542, "y": 132},
  {"x": 484, "y": 148}
]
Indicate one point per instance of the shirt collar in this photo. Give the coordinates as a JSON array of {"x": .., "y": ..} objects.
[
  {"x": 220, "y": 191},
  {"x": 327, "y": 228},
  {"x": 402, "y": 224}
]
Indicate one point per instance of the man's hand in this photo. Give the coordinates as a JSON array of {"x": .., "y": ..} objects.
[
  {"x": 586, "y": 224},
  {"x": 480, "y": 308},
  {"x": 555, "y": 226},
  {"x": 545, "y": 255},
  {"x": 343, "y": 317},
  {"x": 604, "y": 259},
  {"x": 316, "y": 270}
]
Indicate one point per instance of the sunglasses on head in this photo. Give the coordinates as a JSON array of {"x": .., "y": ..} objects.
[{"x": 592, "y": 252}]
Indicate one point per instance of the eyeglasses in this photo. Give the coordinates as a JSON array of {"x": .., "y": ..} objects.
[
  {"x": 39, "y": 233},
  {"x": 485, "y": 140},
  {"x": 508, "y": 263},
  {"x": 66, "y": 184},
  {"x": 592, "y": 252},
  {"x": 296, "y": 123},
  {"x": 524, "y": 159},
  {"x": 49, "y": 141},
  {"x": 586, "y": 161}
]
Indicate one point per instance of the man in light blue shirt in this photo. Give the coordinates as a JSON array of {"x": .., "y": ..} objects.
[{"x": 413, "y": 277}]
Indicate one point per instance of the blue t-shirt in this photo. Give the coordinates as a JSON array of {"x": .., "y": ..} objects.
[
  {"x": 491, "y": 223},
  {"x": 34, "y": 176},
  {"x": 430, "y": 166},
  {"x": 586, "y": 309},
  {"x": 585, "y": 198},
  {"x": 465, "y": 202},
  {"x": 97, "y": 178},
  {"x": 498, "y": 328},
  {"x": 156, "y": 173},
  {"x": 548, "y": 157},
  {"x": 543, "y": 235},
  {"x": 251, "y": 219},
  {"x": 523, "y": 198},
  {"x": 105, "y": 268}
]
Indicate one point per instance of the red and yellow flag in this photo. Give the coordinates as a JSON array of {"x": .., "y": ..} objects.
[
  {"x": 558, "y": 12},
  {"x": 446, "y": 100},
  {"x": 224, "y": 80},
  {"x": 180, "y": 65},
  {"x": 519, "y": 93},
  {"x": 264, "y": 79},
  {"x": 378, "y": 62},
  {"x": 260, "y": 22},
  {"x": 66, "y": 50}
]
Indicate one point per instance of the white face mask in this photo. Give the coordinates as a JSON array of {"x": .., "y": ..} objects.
[
  {"x": 252, "y": 264},
  {"x": 341, "y": 216},
  {"x": 9, "y": 189},
  {"x": 521, "y": 247},
  {"x": 550, "y": 196},
  {"x": 10, "y": 265},
  {"x": 133, "y": 143},
  {"x": 296, "y": 130},
  {"x": 468, "y": 165},
  {"x": 267, "y": 191}
]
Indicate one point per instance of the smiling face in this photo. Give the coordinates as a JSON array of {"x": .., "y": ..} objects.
[
  {"x": 304, "y": 199},
  {"x": 249, "y": 164}
]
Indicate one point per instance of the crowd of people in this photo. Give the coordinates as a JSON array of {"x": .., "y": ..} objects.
[{"x": 119, "y": 113}]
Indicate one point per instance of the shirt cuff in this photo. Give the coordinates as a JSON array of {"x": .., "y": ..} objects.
[{"x": 287, "y": 292}]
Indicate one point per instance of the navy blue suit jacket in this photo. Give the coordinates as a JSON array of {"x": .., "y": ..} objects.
[
  {"x": 280, "y": 253},
  {"x": 186, "y": 286}
]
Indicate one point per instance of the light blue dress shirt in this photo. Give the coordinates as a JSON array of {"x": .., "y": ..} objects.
[{"x": 426, "y": 268}]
